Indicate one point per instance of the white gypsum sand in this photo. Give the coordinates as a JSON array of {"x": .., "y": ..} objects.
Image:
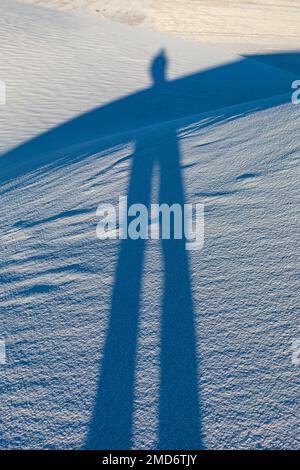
[{"x": 243, "y": 26}]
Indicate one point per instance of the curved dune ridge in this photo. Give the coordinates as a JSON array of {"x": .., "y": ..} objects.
[{"x": 118, "y": 345}]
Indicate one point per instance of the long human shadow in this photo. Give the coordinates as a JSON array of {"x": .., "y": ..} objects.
[
  {"x": 179, "y": 410},
  {"x": 288, "y": 61},
  {"x": 205, "y": 91}
]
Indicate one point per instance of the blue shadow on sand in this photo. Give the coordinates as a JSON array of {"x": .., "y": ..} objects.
[{"x": 214, "y": 91}]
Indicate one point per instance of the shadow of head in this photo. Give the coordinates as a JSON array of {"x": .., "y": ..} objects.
[{"x": 158, "y": 68}]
